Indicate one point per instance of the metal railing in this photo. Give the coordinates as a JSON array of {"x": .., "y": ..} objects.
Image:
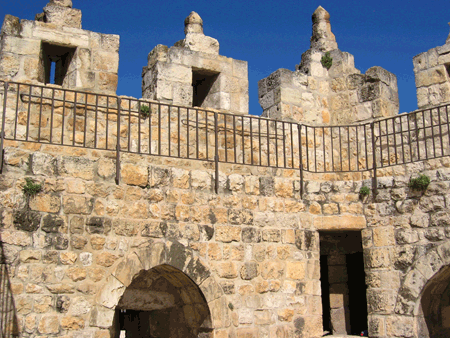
[{"x": 66, "y": 117}]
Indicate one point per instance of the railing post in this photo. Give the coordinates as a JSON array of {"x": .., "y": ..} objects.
[
  {"x": 374, "y": 157},
  {"x": 2, "y": 131},
  {"x": 216, "y": 153},
  {"x": 119, "y": 103},
  {"x": 300, "y": 154}
]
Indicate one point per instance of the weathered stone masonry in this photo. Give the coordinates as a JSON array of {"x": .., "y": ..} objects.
[{"x": 162, "y": 254}]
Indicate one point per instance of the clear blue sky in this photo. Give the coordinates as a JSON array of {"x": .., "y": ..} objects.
[{"x": 267, "y": 34}]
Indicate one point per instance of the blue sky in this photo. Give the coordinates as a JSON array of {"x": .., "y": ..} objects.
[{"x": 267, "y": 34}]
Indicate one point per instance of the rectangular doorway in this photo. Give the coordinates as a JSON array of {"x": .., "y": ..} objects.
[{"x": 344, "y": 301}]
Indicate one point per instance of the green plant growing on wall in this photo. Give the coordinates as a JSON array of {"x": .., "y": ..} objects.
[
  {"x": 364, "y": 191},
  {"x": 145, "y": 111},
  {"x": 419, "y": 183},
  {"x": 327, "y": 60},
  {"x": 30, "y": 189}
]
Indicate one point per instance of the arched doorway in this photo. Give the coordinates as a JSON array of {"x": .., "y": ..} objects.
[
  {"x": 423, "y": 301},
  {"x": 435, "y": 305},
  {"x": 162, "y": 302}
]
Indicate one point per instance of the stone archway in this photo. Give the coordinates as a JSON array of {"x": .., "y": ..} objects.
[
  {"x": 162, "y": 302},
  {"x": 185, "y": 284},
  {"x": 422, "y": 290}
]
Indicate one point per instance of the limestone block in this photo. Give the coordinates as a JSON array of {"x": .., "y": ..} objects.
[
  {"x": 378, "y": 258},
  {"x": 110, "y": 42},
  {"x": 200, "y": 180},
  {"x": 64, "y": 3},
  {"x": 29, "y": 256},
  {"x": 105, "y": 61},
  {"x": 174, "y": 72},
  {"x": 226, "y": 270},
  {"x": 11, "y": 26},
  {"x": 420, "y": 62},
  {"x": 127, "y": 269},
  {"x": 400, "y": 326},
  {"x": 164, "y": 90},
  {"x": 107, "y": 82},
  {"x": 65, "y": 37},
  {"x": 296, "y": 270},
  {"x": 62, "y": 16},
  {"x": 200, "y": 43},
  {"x": 381, "y": 74},
  {"x": 240, "y": 69},
  {"x": 406, "y": 236},
  {"x": 73, "y": 204},
  {"x": 317, "y": 70},
  {"x": 134, "y": 175},
  {"x": 49, "y": 324},
  {"x": 18, "y": 238},
  {"x": 110, "y": 293},
  {"x": 227, "y": 234},
  {"x": 363, "y": 111},
  {"x": 21, "y": 46},
  {"x": 102, "y": 317},
  {"x": 182, "y": 94},
  {"x": 46, "y": 203},
  {"x": 433, "y": 57},
  {"x": 431, "y": 76},
  {"x": 9, "y": 65},
  {"x": 159, "y": 53},
  {"x": 341, "y": 222},
  {"x": 429, "y": 264}
]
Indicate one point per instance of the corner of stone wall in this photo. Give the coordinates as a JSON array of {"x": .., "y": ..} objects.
[{"x": 432, "y": 74}]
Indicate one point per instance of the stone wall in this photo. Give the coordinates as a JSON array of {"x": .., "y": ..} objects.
[
  {"x": 83, "y": 60},
  {"x": 256, "y": 243},
  {"x": 340, "y": 94}
]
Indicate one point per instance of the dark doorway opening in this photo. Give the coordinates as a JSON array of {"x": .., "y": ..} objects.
[
  {"x": 343, "y": 285},
  {"x": 162, "y": 302},
  {"x": 325, "y": 286},
  {"x": 357, "y": 292},
  {"x": 56, "y": 60},
  {"x": 202, "y": 82}
]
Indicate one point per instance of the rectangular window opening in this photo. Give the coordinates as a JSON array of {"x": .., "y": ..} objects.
[
  {"x": 202, "y": 84},
  {"x": 447, "y": 67},
  {"x": 56, "y": 61}
]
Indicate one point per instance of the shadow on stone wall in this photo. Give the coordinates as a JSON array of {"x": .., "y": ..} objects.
[{"x": 8, "y": 318}]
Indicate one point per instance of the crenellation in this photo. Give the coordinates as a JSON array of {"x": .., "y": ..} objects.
[
  {"x": 325, "y": 97},
  {"x": 207, "y": 79},
  {"x": 83, "y": 60}
]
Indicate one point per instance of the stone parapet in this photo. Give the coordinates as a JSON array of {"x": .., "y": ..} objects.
[
  {"x": 192, "y": 73},
  {"x": 334, "y": 94},
  {"x": 82, "y": 59},
  {"x": 432, "y": 73}
]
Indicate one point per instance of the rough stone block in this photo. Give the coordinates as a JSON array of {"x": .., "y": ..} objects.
[
  {"x": 134, "y": 175},
  {"x": 11, "y": 25},
  {"x": 62, "y": 16},
  {"x": 49, "y": 324},
  {"x": 341, "y": 222}
]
